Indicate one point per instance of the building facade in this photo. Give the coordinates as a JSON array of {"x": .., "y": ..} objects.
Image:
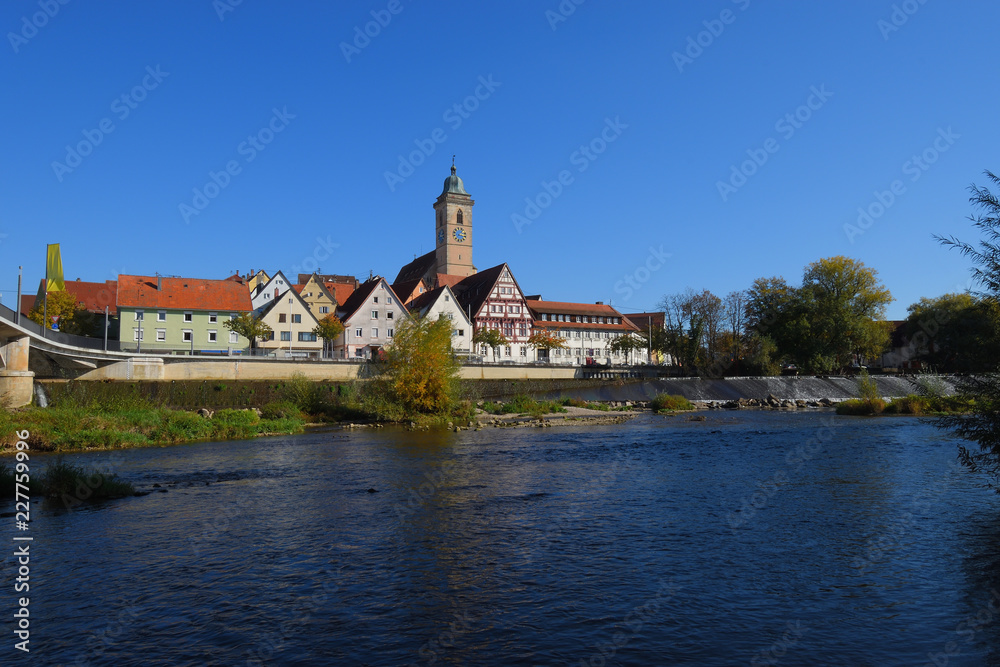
[
  {"x": 586, "y": 329},
  {"x": 370, "y": 316},
  {"x": 180, "y": 315},
  {"x": 292, "y": 324},
  {"x": 443, "y": 303}
]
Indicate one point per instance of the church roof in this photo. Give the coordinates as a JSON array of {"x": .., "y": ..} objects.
[
  {"x": 417, "y": 269},
  {"x": 473, "y": 290},
  {"x": 453, "y": 184}
]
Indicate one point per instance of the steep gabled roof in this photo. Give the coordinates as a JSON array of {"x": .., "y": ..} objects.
[
  {"x": 418, "y": 268},
  {"x": 407, "y": 289},
  {"x": 425, "y": 300},
  {"x": 183, "y": 293},
  {"x": 274, "y": 302},
  {"x": 360, "y": 297},
  {"x": 472, "y": 291}
]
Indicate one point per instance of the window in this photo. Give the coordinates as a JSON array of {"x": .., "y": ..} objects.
[
  {"x": 451, "y": 316},
  {"x": 460, "y": 218},
  {"x": 234, "y": 337},
  {"x": 524, "y": 351},
  {"x": 213, "y": 336},
  {"x": 374, "y": 332},
  {"x": 281, "y": 317},
  {"x": 213, "y": 318},
  {"x": 138, "y": 316},
  {"x": 307, "y": 337},
  {"x": 188, "y": 316},
  {"x": 374, "y": 299},
  {"x": 161, "y": 335},
  {"x": 358, "y": 353},
  {"x": 374, "y": 314},
  {"x": 187, "y": 335},
  {"x": 296, "y": 319},
  {"x": 137, "y": 334},
  {"x": 389, "y": 333},
  {"x": 357, "y": 333},
  {"x": 388, "y": 299},
  {"x": 447, "y": 298},
  {"x": 161, "y": 316},
  {"x": 388, "y": 315},
  {"x": 523, "y": 330},
  {"x": 576, "y": 334},
  {"x": 324, "y": 309},
  {"x": 506, "y": 351},
  {"x": 286, "y": 336},
  {"x": 461, "y": 332}
]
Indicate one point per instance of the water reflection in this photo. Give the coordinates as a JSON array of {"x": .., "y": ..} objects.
[{"x": 533, "y": 546}]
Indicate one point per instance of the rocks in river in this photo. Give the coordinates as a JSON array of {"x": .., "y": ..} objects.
[{"x": 372, "y": 491}]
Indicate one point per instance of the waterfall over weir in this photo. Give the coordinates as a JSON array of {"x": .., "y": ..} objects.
[{"x": 729, "y": 389}]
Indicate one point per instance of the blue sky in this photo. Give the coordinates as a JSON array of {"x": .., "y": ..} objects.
[{"x": 873, "y": 84}]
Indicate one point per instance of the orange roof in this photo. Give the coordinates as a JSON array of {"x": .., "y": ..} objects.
[
  {"x": 566, "y": 308},
  {"x": 448, "y": 279},
  {"x": 89, "y": 296},
  {"x": 185, "y": 293},
  {"x": 298, "y": 288},
  {"x": 341, "y": 291}
]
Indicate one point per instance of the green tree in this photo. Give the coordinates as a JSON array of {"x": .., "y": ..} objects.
[
  {"x": 329, "y": 329},
  {"x": 492, "y": 338},
  {"x": 954, "y": 333},
  {"x": 420, "y": 370},
  {"x": 250, "y": 327},
  {"x": 982, "y": 426},
  {"x": 626, "y": 343}
]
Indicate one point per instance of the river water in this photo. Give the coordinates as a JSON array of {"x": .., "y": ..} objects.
[{"x": 749, "y": 538}]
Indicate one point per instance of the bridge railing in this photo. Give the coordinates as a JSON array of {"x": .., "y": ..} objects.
[{"x": 58, "y": 336}]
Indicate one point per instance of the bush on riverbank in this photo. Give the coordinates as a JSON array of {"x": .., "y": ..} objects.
[{"x": 670, "y": 403}]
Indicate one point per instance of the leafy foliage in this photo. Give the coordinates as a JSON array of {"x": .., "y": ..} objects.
[
  {"x": 73, "y": 319},
  {"x": 626, "y": 344},
  {"x": 670, "y": 403},
  {"x": 955, "y": 333},
  {"x": 329, "y": 329},
  {"x": 421, "y": 372},
  {"x": 250, "y": 327},
  {"x": 491, "y": 338}
]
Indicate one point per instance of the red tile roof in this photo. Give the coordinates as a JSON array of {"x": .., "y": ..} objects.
[
  {"x": 185, "y": 293},
  {"x": 89, "y": 296},
  {"x": 340, "y": 291},
  {"x": 587, "y": 309}
]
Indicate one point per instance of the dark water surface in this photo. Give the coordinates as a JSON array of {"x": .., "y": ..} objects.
[{"x": 749, "y": 538}]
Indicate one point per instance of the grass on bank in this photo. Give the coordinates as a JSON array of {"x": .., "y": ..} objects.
[
  {"x": 913, "y": 404},
  {"x": 65, "y": 480},
  {"x": 522, "y": 404}
]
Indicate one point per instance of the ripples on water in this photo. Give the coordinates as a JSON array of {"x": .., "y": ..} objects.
[{"x": 864, "y": 545}]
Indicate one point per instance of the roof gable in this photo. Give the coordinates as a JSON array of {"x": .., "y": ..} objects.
[{"x": 418, "y": 268}]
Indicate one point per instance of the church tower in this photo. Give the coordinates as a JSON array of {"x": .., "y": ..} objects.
[{"x": 453, "y": 228}]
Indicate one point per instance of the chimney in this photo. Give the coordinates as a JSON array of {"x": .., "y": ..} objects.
[
  {"x": 598, "y": 303},
  {"x": 276, "y": 295},
  {"x": 159, "y": 283}
]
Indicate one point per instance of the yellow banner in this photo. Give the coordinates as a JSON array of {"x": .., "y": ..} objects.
[{"x": 54, "y": 270}]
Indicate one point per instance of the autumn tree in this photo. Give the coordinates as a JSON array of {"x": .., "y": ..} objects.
[
  {"x": 545, "y": 339},
  {"x": 492, "y": 338},
  {"x": 72, "y": 318},
  {"x": 250, "y": 327},
  {"x": 329, "y": 329},
  {"x": 954, "y": 333},
  {"x": 420, "y": 370}
]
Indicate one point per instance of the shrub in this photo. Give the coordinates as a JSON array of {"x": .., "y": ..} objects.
[
  {"x": 64, "y": 479},
  {"x": 280, "y": 410},
  {"x": 861, "y": 407},
  {"x": 670, "y": 403}
]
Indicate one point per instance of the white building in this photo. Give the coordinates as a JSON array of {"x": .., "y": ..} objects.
[
  {"x": 370, "y": 316},
  {"x": 441, "y": 302},
  {"x": 586, "y": 329},
  {"x": 262, "y": 295}
]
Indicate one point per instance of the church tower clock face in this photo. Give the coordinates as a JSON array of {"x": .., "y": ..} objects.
[
  {"x": 441, "y": 235},
  {"x": 459, "y": 234}
]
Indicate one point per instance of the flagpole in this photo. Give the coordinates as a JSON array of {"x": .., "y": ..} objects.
[{"x": 17, "y": 307}]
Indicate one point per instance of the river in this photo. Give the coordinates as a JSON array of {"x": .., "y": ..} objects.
[{"x": 748, "y": 538}]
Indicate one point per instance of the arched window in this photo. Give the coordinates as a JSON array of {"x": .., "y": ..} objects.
[{"x": 460, "y": 217}]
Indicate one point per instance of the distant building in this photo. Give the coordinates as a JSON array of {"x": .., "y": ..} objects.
[
  {"x": 314, "y": 292},
  {"x": 645, "y": 322},
  {"x": 92, "y": 297},
  {"x": 452, "y": 256},
  {"x": 263, "y": 294},
  {"x": 292, "y": 324},
  {"x": 370, "y": 316},
  {"x": 169, "y": 315},
  {"x": 493, "y": 299},
  {"x": 586, "y": 329}
]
